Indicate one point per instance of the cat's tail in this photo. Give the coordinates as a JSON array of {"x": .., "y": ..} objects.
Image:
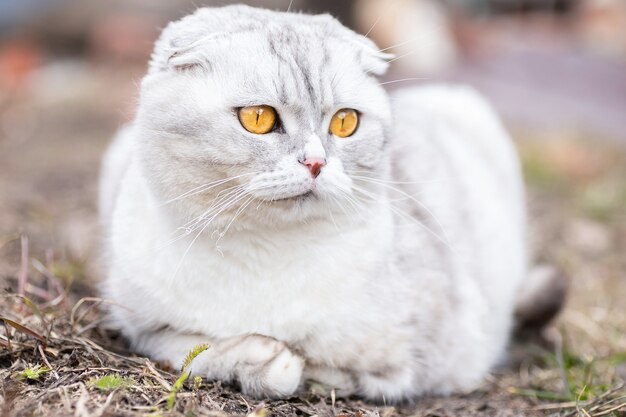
[{"x": 540, "y": 299}]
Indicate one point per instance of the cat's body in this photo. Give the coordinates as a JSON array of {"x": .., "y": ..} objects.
[{"x": 391, "y": 274}]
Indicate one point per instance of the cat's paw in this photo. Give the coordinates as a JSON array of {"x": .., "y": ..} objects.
[
  {"x": 283, "y": 374},
  {"x": 331, "y": 378},
  {"x": 272, "y": 370}
]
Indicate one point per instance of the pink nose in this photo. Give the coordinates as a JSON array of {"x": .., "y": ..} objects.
[{"x": 314, "y": 165}]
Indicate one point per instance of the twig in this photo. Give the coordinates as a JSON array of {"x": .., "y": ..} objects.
[
  {"x": 51, "y": 279},
  {"x": 157, "y": 376},
  {"x": 81, "y": 404},
  {"x": 555, "y": 406},
  {"x": 100, "y": 411},
  {"x": 610, "y": 410},
  {"x": 45, "y": 360},
  {"x": 97, "y": 300},
  {"x": 596, "y": 403},
  {"x": 23, "y": 273},
  {"x": 8, "y": 335}
]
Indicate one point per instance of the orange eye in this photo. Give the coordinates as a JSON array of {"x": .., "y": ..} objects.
[
  {"x": 258, "y": 119},
  {"x": 344, "y": 123}
]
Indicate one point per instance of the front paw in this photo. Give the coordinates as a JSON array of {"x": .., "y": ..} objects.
[
  {"x": 329, "y": 378},
  {"x": 272, "y": 370},
  {"x": 283, "y": 374}
]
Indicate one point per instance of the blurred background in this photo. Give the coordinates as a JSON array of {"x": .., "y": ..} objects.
[{"x": 69, "y": 71}]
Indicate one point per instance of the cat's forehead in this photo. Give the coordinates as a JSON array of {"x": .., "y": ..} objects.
[
  {"x": 284, "y": 33},
  {"x": 297, "y": 69}
]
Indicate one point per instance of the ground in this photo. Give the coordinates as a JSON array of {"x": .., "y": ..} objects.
[{"x": 57, "y": 358}]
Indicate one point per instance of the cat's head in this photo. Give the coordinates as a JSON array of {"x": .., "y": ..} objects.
[{"x": 270, "y": 109}]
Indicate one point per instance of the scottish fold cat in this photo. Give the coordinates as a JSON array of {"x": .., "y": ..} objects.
[{"x": 272, "y": 200}]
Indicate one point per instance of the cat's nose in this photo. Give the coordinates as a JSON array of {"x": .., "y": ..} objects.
[
  {"x": 314, "y": 165},
  {"x": 314, "y": 155}
]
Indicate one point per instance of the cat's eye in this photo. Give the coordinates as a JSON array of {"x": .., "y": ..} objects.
[
  {"x": 344, "y": 123},
  {"x": 258, "y": 119}
]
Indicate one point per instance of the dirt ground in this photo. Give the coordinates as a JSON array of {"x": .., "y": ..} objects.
[{"x": 58, "y": 359}]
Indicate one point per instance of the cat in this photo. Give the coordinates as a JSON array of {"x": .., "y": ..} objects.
[{"x": 272, "y": 201}]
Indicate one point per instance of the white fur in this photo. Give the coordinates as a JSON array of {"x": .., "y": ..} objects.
[{"x": 402, "y": 288}]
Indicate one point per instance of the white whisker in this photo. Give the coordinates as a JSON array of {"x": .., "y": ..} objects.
[
  {"x": 206, "y": 187},
  {"x": 403, "y": 80},
  {"x": 397, "y": 45},
  {"x": 216, "y": 205},
  {"x": 410, "y": 217},
  {"x": 330, "y": 212},
  {"x": 376, "y": 22},
  {"x": 396, "y": 58},
  {"x": 373, "y": 26},
  {"x": 226, "y": 202},
  {"x": 237, "y": 213},
  {"x": 416, "y": 201},
  {"x": 383, "y": 181}
]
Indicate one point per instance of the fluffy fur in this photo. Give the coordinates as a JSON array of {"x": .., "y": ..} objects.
[{"x": 392, "y": 274}]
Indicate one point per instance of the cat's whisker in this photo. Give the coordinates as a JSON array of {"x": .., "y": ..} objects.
[
  {"x": 237, "y": 213},
  {"x": 376, "y": 22},
  {"x": 250, "y": 199},
  {"x": 229, "y": 201},
  {"x": 220, "y": 204},
  {"x": 397, "y": 45},
  {"x": 362, "y": 177},
  {"x": 290, "y": 4},
  {"x": 196, "y": 223},
  {"x": 388, "y": 199},
  {"x": 374, "y": 198},
  {"x": 206, "y": 187},
  {"x": 396, "y": 58},
  {"x": 330, "y": 212},
  {"x": 337, "y": 202},
  {"x": 373, "y": 26},
  {"x": 403, "y": 80},
  {"x": 356, "y": 207},
  {"x": 206, "y": 225},
  {"x": 411, "y": 221},
  {"x": 217, "y": 204},
  {"x": 416, "y": 201},
  {"x": 341, "y": 206},
  {"x": 220, "y": 200},
  {"x": 180, "y": 263},
  {"x": 227, "y": 193}
]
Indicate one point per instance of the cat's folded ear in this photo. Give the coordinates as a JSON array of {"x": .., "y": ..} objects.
[
  {"x": 191, "y": 56},
  {"x": 187, "y": 60},
  {"x": 377, "y": 62},
  {"x": 374, "y": 61}
]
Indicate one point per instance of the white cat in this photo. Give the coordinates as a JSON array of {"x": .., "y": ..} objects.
[{"x": 271, "y": 200}]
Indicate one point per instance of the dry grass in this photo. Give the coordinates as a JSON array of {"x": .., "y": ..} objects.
[{"x": 58, "y": 359}]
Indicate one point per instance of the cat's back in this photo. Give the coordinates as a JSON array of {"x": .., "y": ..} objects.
[
  {"x": 451, "y": 153},
  {"x": 444, "y": 114}
]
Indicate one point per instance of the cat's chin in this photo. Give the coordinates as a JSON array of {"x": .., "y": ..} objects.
[
  {"x": 294, "y": 208},
  {"x": 308, "y": 195}
]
